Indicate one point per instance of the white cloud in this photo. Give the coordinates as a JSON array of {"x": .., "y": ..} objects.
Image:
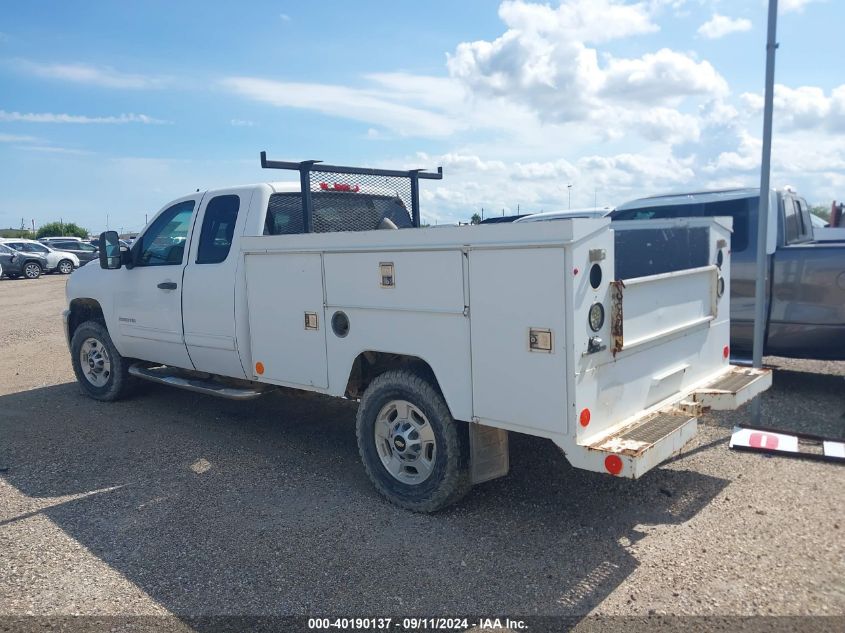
[
  {"x": 545, "y": 60},
  {"x": 17, "y": 138},
  {"x": 664, "y": 76},
  {"x": 52, "y": 149},
  {"x": 49, "y": 117},
  {"x": 720, "y": 25},
  {"x": 803, "y": 108},
  {"x": 663, "y": 125},
  {"x": 584, "y": 20},
  {"x": 284, "y": 17},
  {"x": 104, "y": 76},
  {"x": 790, "y": 6},
  {"x": 373, "y": 106},
  {"x": 242, "y": 123}
]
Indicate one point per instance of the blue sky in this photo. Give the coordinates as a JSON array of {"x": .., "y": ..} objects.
[{"x": 113, "y": 108}]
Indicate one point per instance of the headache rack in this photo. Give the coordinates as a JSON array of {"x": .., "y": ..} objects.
[{"x": 318, "y": 177}]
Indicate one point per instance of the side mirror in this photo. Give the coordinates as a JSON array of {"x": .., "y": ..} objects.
[{"x": 110, "y": 258}]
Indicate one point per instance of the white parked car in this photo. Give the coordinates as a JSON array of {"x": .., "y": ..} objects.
[
  {"x": 590, "y": 212},
  {"x": 57, "y": 261},
  {"x": 449, "y": 339}
]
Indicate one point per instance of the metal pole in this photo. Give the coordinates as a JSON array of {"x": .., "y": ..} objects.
[
  {"x": 305, "y": 192},
  {"x": 415, "y": 199},
  {"x": 569, "y": 192},
  {"x": 760, "y": 283}
]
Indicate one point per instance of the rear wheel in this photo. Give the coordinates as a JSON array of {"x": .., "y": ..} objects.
[
  {"x": 414, "y": 452},
  {"x": 65, "y": 267},
  {"x": 101, "y": 371},
  {"x": 32, "y": 270}
]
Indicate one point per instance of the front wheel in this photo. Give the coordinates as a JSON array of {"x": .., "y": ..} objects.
[
  {"x": 102, "y": 373},
  {"x": 414, "y": 452},
  {"x": 65, "y": 267},
  {"x": 32, "y": 270}
]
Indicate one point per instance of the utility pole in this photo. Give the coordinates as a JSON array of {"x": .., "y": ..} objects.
[
  {"x": 763, "y": 207},
  {"x": 569, "y": 192}
]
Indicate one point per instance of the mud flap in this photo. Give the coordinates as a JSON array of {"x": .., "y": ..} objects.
[{"x": 489, "y": 456}]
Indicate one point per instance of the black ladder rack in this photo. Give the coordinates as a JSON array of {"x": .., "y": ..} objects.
[{"x": 405, "y": 183}]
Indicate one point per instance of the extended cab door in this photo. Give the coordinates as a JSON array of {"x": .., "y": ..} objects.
[
  {"x": 208, "y": 295},
  {"x": 148, "y": 299}
]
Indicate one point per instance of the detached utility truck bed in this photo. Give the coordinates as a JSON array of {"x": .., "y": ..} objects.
[{"x": 450, "y": 338}]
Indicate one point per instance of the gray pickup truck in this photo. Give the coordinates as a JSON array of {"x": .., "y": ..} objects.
[{"x": 805, "y": 298}]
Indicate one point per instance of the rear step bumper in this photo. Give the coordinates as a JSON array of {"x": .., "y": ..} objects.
[
  {"x": 177, "y": 378},
  {"x": 734, "y": 388},
  {"x": 635, "y": 447}
]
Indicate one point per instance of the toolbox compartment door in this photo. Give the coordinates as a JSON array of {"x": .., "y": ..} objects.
[{"x": 286, "y": 329}]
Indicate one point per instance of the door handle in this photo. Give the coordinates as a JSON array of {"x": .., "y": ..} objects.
[{"x": 167, "y": 285}]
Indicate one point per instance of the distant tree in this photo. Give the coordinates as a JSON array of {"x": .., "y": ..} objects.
[
  {"x": 61, "y": 229},
  {"x": 15, "y": 233},
  {"x": 821, "y": 211},
  {"x": 475, "y": 219}
]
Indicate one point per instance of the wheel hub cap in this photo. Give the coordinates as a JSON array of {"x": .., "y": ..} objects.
[
  {"x": 94, "y": 359},
  {"x": 405, "y": 442}
]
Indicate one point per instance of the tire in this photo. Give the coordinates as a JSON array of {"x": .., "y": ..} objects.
[
  {"x": 65, "y": 267},
  {"x": 102, "y": 373},
  {"x": 396, "y": 440},
  {"x": 32, "y": 270}
]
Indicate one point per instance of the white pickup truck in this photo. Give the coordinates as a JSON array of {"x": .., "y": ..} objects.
[{"x": 450, "y": 338}]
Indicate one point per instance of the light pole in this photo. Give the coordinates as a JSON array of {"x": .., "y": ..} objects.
[
  {"x": 763, "y": 207},
  {"x": 569, "y": 192}
]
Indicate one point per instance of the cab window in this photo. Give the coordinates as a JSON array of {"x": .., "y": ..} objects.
[
  {"x": 791, "y": 221},
  {"x": 218, "y": 229},
  {"x": 163, "y": 244}
]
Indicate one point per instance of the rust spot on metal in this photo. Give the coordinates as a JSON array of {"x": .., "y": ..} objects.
[{"x": 616, "y": 330}]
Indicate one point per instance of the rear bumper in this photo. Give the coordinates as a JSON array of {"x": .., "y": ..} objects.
[{"x": 639, "y": 444}]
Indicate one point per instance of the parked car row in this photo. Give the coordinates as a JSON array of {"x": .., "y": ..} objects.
[
  {"x": 14, "y": 264},
  {"x": 20, "y": 257}
]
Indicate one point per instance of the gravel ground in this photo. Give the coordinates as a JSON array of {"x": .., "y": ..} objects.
[{"x": 174, "y": 502}]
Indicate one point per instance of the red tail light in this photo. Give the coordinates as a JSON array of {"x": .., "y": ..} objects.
[{"x": 340, "y": 186}]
